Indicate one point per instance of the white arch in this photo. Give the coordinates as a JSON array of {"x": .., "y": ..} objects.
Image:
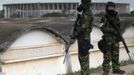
[{"x": 34, "y": 38}]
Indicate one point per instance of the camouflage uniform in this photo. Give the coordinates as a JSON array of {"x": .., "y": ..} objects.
[
  {"x": 112, "y": 40},
  {"x": 82, "y": 30}
]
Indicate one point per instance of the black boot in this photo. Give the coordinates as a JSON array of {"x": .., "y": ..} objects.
[
  {"x": 105, "y": 73},
  {"x": 118, "y": 71}
]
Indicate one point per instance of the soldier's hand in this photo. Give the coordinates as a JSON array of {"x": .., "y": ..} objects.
[
  {"x": 72, "y": 41},
  {"x": 91, "y": 46}
]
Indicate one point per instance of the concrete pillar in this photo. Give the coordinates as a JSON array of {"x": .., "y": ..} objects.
[
  {"x": 53, "y": 8},
  {"x": 48, "y": 7},
  {"x": 23, "y": 10},
  {"x": 38, "y": 8},
  {"x": 19, "y": 8},
  {"x": 62, "y": 6},
  {"x": 67, "y": 6},
  {"x": 6, "y": 12},
  {"x": 76, "y": 5},
  {"x": 43, "y": 8},
  {"x": 31, "y": 10},
  {"x": 71, "y": 6},
  {"x": 27, "y": 11},
  {"x": 13, "y": 9},
  {"x": 128, "y": 8},
  {"x": 35, "y": 9},
  {"x": 57, "y": 6}
]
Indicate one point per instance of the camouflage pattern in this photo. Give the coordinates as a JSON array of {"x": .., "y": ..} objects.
[
  {"x": 82, "y": 30},
  {"x": 112, "y": 41},
  {"x": 83, "y": 27},
  {"x": 112, "y": 54}
]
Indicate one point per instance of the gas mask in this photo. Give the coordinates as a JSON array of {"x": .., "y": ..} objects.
[{"x": 110, "y": 9}]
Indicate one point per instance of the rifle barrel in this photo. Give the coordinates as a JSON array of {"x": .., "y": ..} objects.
[{"x": 123, "y": 41}]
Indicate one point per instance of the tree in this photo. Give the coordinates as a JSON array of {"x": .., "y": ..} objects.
[{"x": 1, "y": 13}]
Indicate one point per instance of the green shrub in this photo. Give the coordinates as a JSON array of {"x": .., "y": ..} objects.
[{"x": 53, "y": 15}]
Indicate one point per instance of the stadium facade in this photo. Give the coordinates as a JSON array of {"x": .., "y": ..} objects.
[{"x": 34, "y": 8}]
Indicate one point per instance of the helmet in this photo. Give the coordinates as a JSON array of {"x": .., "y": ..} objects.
[{"x": 110, "y": 3}]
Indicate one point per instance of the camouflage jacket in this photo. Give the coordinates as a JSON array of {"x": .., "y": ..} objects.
[
  {"x": 107, "y": 27},
  {"x": 83, "y": 26}
]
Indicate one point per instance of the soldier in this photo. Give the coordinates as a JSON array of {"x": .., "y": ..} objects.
[
  {"x": 82, "y": 30},
  {"x": 111, "y": 39}
]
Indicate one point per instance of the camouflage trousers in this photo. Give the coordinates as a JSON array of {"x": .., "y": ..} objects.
[
  {"x": 83, "y": 55},
  {"x": 112, "y": 55}
]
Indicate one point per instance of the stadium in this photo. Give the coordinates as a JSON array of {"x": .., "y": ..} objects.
[{"x": 38, "y": 8}]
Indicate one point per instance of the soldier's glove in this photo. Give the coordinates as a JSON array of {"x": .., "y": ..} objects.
[{"x": 118, "y": 39}]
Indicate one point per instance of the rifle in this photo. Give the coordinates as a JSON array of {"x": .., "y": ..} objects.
[{"x": 122, "y": 39}]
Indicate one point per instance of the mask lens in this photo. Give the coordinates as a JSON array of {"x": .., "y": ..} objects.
[{"x": 111, "y": 8}]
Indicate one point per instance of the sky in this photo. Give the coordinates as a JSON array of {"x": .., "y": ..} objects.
[{"x": 131, "y": 2}]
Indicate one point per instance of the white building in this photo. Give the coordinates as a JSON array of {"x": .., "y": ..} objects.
[
  {"x": 39, "y": 49},
  {"x": 37, "y": 8}
]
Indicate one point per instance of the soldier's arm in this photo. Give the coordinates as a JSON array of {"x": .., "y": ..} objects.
[
  {"x": 75, "y": 32},
  {"x": 103, "y": 25}
]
